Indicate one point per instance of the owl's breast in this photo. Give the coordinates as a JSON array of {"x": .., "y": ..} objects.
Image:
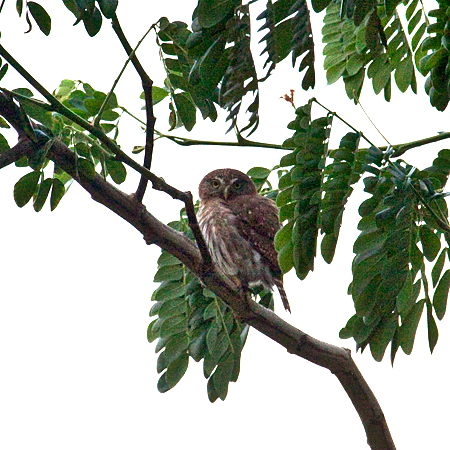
[{"x": 232, "y": 253}]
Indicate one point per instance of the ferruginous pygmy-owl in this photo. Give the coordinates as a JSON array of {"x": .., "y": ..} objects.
[{"x": 239, "y": 227}]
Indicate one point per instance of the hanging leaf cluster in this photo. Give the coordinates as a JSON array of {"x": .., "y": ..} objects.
[
  {"x": 401, "y": 228},
  {"x": 435, "y": 63},
  {"x": 86, "y": 102},
  {"x": 299, "y": 193},
  {"x": 368, "y": 41},
  {"x": 240, "y": 77},
  {"x": 192, "y": 323},
  {"x": 288, "y": 30},
  {"x": 343, "y": 171},
  {"x": 212, "y": 64}
]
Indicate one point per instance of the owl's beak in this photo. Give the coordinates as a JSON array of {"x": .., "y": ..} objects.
[{"x": 225, "y": 192}]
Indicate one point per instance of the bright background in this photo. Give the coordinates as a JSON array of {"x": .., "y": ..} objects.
[{"x": 76, "y": 369}]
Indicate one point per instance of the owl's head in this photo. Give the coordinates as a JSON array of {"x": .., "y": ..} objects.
[{"x": 226, "y": 184}]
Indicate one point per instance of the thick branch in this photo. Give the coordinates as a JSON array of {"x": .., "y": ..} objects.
[{"x": 336, "y": 359}]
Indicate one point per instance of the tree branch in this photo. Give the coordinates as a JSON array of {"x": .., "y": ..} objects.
[
  {"x": 241, "y": 142},
  {"x": 336, "y": 359},
  {"x": 147, "y": 85}
]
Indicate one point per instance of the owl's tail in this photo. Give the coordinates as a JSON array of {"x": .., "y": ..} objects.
[{"x": 284, "y": 299}]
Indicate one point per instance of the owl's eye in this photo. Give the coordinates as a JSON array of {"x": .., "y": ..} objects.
[
  {"x": 237, "y": 184},
  {"x": 215, "y": 184}
]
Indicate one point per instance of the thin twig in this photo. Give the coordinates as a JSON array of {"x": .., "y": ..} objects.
[
  {"x": 403, "y": 148},
  {"x": 370, "y": 120},
  {"x": 9, "y": 58},
  {"x": 241, "y": 143},
  {"x": 344, "y": 121},
  {"x": 116, "y": 81},
  {"x": 147, "y": 85}
]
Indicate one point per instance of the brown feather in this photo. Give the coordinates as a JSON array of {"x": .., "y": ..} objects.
[{"x": 239, "y": 227}]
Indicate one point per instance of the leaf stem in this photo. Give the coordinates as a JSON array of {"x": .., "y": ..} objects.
[
  {"x": 116, "y": 81},
  {"x": 242, "y": 142},
  {"x": 344, "y": 121}
]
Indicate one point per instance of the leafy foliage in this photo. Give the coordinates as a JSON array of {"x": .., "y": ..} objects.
[
  {"x": 86, "y": 102},
  {"x": 193, "y": 323},
  {"x": 299, "y": 192},
  {"x": 403, "y": 222},
  {"x": 339, "y": 176},
  {"x": 436, "y": 49},
  {"x": 402, "y": 225},
  {"x": 372, "y": 41},
  {"x": 240, "y": 76},
  {"x": 404, "y": 210},
  {"x": 212, "y": 64},
  {"x": 288, "y": 27}
]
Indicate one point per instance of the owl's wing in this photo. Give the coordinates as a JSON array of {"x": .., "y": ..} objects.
[{"x": 257, "y": 221}]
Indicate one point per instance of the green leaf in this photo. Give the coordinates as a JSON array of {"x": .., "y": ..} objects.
[
  {"x": 328, "y": 247},
  {"x": 162, "y": 385},
  {"x": 172, "y": 326},
  {"x": 3, "y": 144},
  {"x": 25, "y": 188},
  {"x": 93, "y": 22},
  {"x": 335, "y": 72},
  {"x": 41, "y": 17},
  {"x": 286, "y": 257},
  {"x": 108, "y": 7},
  {"x": 151, "y": 336},
  {"x": 186, "y": 110},
  {"x": 3, "y": 71},
  {"x": 382, "y": 336},
  {"x": 169, "y": 273},
  {"x": 404, "y": 74},
  {"x": 390, "y": 6},
  {"x": 211, "y": 12},
  {"x": 166, "y": 259},
  {"x": 212, "y": 359},
  {"x": 117, "y": 171},
  {"x": 110, "y": 115},
  {"x": 441, "y": 294},
  {"x": 431, "y": 243},
  {"x": 320, "y": 5},
  {"x": 86, "y": 167},
  {"x": 19, "y": 7},
  {"x": 438, "y": 266},
  {"x": 283, "y": 236},
  {"x": 171, "y": 308},
  {"x": 259, "y": 173},
  {"x": 211, "y": 337},
  {"x": 175, "y": 348},
  {"x": 168, "y": 291},
  {"x": 212, "y": 393},
  {"x": 158, "y": 94},
  {"x": 222, "y": 376},
  {"x": 41, "y": 197},
  {"x": 4, "y": 124},
  {"x": 433, "y": 333},
  {"x": 407, "y": 332},
  {"x": 58, "y": 191}
]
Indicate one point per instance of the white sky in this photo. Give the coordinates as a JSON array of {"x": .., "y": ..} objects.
[{"x": 77, "y": 371}]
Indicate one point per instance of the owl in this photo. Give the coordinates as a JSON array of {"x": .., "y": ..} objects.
[{"x": 239, "y": 227}]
